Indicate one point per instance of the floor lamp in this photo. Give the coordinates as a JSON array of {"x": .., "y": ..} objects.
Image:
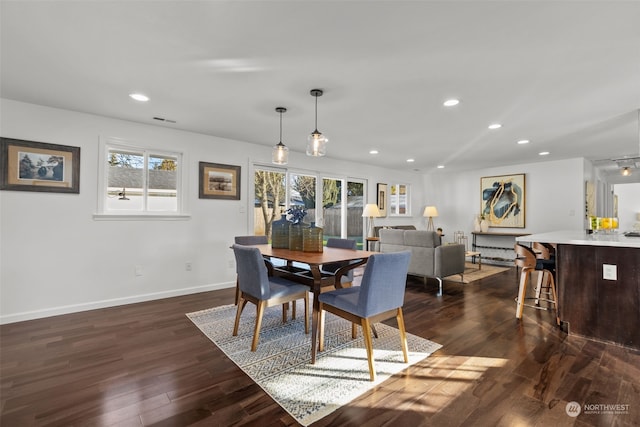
[
  {"x": 430, "y": 212},
  {"x": 371, "y": 210}
]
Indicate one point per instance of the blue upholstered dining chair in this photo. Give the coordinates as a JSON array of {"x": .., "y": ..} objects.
[
  {"x": 251, "y": 240},
  {"x": 248, "y": 240},
  {"x": 346, "y": 279},
  {"x": 380, "y": 296},
  {"x": 264, "y": 291}
]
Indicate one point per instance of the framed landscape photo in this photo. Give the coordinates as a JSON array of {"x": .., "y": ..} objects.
[
  {"x": 382, "y": 197},
  {"x": 218, "y": 181},
  {"x": 39, "y": 166},
  {"x": 503, "y": 200}
]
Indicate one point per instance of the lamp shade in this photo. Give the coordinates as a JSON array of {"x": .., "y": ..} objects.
[
  {"x": 371, "y": 210},
  {"x": 430, "y": 211}
]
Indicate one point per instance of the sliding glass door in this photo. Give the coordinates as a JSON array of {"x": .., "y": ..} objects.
[{"x": 333, "y": 203}]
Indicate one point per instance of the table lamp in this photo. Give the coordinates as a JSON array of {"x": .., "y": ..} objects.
[
  {"x": 371, "y": 210},
  {"x": 430, "y": 212}
]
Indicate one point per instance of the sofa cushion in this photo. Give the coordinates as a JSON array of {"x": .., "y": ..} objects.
[
  {"x": 392, "y": 236},
  {"x": 377, "y": 228},
  {"x": 426, "y": 239}
]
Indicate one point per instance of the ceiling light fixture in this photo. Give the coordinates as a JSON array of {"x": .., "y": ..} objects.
[
  {"x": 494, "y": 126},
  {"x": 373, "y": 152},
  {"x": 543, "y": 153},
  {"x": 523, "y": 141},
  {"x": 440, "y": 166},
  {"x": 451, "y": 102},
  {"x": 139, "y": 97},
  {"x": 316, "y": 142},
  {"x": 411, "y": 160},
  {"x": 280, "y": 153},
  {"x": 625, "y": 171}
]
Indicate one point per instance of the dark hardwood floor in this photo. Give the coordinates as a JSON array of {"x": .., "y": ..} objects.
[{"x": 147, "y": 364}]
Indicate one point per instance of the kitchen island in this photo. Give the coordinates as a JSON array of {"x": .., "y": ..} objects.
[{"x": 598, "y": 281}]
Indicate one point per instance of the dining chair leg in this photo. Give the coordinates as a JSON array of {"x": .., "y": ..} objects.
[
  {"x": 366, "y": 326},
  {"x": 237, "y": 292},
  {"x": 256, "y": 332},
  {"x": 293, "y": 310},
  {"x": 241, "y": 304},
  {"x": 306, "y": 313},
  {"x": 320, "y": 329},
  {"x": 354, "y": 330},
  {"x": 403, "y": 335}
]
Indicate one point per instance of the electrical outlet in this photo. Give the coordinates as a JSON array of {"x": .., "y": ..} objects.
[
  {"x": 609, "y": 272},
  {"x": 187, "y": 266},
  {"x": 138, "y": 270}
]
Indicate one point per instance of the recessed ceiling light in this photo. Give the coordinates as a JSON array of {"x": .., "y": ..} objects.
[
  {"x": 495, "y": 126},
  {"x": 440, "y": 166},
  {"x": 139, "y": 97},
  {"x": 523, "y": 141},
  {"x": 373, "y": 152},
  {"x": 543, "y": 153},
  {"x": 451, "y": 102},
  {"x": 410, "y": 160}
]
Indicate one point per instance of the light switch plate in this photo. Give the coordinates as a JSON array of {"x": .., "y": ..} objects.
[{"x": 609, "y": 272}]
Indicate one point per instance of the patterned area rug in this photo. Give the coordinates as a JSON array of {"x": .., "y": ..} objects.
[
  {"x": 281, "y": 365},
  {"x": 471, "y": 273}
]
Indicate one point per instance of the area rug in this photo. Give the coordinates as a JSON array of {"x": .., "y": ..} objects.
[
  {"x": 471, "y": 273},
  {"x": 281, "y": 365}
]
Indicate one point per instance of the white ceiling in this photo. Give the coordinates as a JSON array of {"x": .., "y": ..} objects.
[{"x": 565, "y": 75}]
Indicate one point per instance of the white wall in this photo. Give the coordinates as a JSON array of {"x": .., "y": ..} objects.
[
  {"x": 554, "y": 196},
  {"x": 628, "y": 205},
  {"x": 55, "y": 258}
]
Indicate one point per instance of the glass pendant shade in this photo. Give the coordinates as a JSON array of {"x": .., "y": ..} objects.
[
  {"x": 280, "y": 152},
  {"x": 316, "y": 144}
]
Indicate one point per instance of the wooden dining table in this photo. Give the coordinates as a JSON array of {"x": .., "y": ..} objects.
[{"x": 314, "y": 277}]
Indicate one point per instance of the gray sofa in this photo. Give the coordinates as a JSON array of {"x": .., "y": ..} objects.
[{"x": 429, "y": 258}]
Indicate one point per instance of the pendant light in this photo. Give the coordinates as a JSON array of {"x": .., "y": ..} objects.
[
  {"x": 280, "y": 154},
  {"x": 317, "y": 142}
]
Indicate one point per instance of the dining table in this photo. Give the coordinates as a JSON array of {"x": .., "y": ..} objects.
[{"x": 314, "y": 277}]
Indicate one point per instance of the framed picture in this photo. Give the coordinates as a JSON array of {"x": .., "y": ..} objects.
[
  {"x": 503, "y": 200},
  {"x": 219, "y": 181},
  {"x": 382, "y": 199},
  {"x": 38, "y": 166}
]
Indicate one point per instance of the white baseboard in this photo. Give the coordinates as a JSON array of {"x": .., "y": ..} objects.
[{"x": 75, "y": 308}]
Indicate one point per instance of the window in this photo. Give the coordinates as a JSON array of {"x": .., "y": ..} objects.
[
  {"x": 399, "y": 200},
  {"x": 139, "y": 181}
]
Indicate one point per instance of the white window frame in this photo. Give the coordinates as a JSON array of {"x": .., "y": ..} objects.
[{"x": 109, "y": 143}]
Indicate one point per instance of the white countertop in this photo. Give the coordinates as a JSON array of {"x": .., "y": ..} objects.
[{"x": 569, "y": 237}]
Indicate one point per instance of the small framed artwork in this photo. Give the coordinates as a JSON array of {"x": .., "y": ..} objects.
[
  {"x": 503, "y": 200},
  {"x": 39, "y": 166},
  {"x": 382, "y": 199},
  {"x": 218, "y": 181}
]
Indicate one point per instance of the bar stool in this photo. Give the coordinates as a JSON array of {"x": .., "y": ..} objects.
[
  {"x": 545, "y": 260},
  {"x": 527, "y": 261}
]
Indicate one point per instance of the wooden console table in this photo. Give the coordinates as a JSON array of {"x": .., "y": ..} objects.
[{"x": 500, "y": 236}]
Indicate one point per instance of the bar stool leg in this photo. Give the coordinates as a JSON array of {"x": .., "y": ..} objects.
[
  {"x": 522, "y": 291},
  {"x": 554, "y": 293}
]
